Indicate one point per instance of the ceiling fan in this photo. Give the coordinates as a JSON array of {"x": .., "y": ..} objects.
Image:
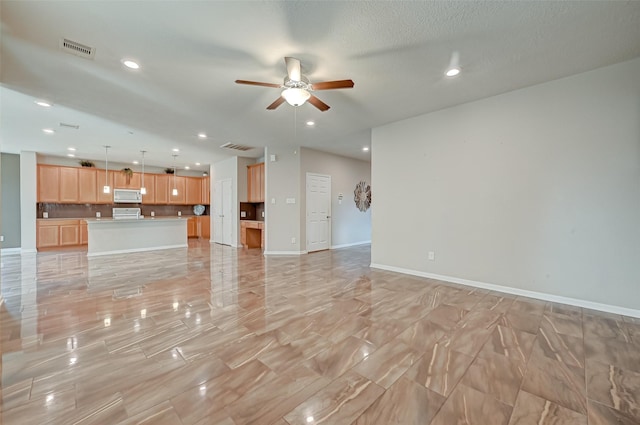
[{"x": 297, "y": 88}]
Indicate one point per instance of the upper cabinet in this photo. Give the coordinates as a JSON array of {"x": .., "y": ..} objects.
[
  {"x": 194, "y": 190},
  {"x": 179, "y": 184},
  {"x": 206, "y": 190},
  {"x": 87, "y": 185},
  {"x": 255, "y": 182},
  {"x": 48, "y": 183},
  {"x": 80, "y": 185},
  {"x": 126, "y": 181}
]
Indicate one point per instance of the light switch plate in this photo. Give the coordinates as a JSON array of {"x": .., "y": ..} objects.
[{"x": 291, "y": 200}]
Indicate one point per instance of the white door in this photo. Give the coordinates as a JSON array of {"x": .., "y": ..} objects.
[
  {"x": 318, "y": 212},
  {"x": 222, "y": 217}
]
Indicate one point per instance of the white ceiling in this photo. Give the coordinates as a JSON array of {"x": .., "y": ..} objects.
[{"x": 191, "y": 52}]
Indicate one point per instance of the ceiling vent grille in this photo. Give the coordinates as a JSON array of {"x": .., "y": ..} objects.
[
  {"x": 236, "y": 147},
  {"x": 77, "y": 49},
  {"x": 74, "y": 126}
]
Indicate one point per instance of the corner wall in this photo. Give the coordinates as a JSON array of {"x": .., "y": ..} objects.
[{"x": 535, "y": 190}]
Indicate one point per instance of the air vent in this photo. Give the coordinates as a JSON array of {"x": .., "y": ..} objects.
[
  {"x": 74, "y": 126},
  {"x": 77, "y": 49},
  {"x": 236, "y": 147}
]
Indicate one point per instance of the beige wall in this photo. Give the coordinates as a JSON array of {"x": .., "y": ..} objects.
[
  {"x": 536, "y": 190},
  {"x": 349, "y": 226}
]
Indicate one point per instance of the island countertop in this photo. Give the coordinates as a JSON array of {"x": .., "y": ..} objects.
[{"x": 144, "y": 219}]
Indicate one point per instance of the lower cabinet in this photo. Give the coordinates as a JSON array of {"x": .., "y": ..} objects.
[
  {"x": 60, "y": 233},
  {"x": 252, "y": 234},
  {"x": 204, "y": 222},
  {"x": 199, "y": 227},
  {"x": 192, "y": 227}
]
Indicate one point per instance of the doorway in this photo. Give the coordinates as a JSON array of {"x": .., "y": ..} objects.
[{"x": 318, "y": 212}]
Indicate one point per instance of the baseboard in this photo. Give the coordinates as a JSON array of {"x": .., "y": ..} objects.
[
  {"x": 128, "y": 251},
  {"x": 516, "y": 291},
  {"x": 346, "y": 245},
  {"x": 28, "y": 251},
  {"x": 10, "y": 251},
  {"x": 285, "y": 252}
]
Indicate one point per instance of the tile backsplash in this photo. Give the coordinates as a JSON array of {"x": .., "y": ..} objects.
[{"x": 90, "y": 210}]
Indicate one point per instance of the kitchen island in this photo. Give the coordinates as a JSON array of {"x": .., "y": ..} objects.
[{"x": 113, "y": 236}]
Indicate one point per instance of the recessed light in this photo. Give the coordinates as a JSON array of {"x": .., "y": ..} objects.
[
  {"x": 452, "y": 72},
  {"x": 48, "y": 130},
  {"x": 175, "y": 150},
  {"x": 71, "y": 149},
  {"x": 186, "y": 167},
  {"x": 130, "y": 64},
  {"x": 42, "y": 103},
  {"x": 197, "y": 163},
  {"x": 71, "y": 155},
  {"x": 311, "y": 123},
  {"x": 202, "y": 135},
  {"x": 136, "y": 162},
  {"x": 366, "y": 149}
]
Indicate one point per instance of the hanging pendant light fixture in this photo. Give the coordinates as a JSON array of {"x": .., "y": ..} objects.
[
  {"x": 143, "y": 190},
  {"x": 106, "y": 188},
  {"x": 174, "y": 192}
]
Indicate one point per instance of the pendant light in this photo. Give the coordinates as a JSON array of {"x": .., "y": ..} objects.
[
  {"x": 143, "y": 190},
  {"x": 106, "y": 188},
  {"x": 174, "y": 192}
]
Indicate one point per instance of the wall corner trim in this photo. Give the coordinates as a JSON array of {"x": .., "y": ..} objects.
[{"x": 515, "y": 291}]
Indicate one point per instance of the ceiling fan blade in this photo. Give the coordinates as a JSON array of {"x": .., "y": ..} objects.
[
  {"x": 293, "y": 68},
  {"x": 328, "y": 85},
  {"x": 279, "y": 101},
  {"x": 318, "y": 103},
  {"x": 257, "y": 83}
]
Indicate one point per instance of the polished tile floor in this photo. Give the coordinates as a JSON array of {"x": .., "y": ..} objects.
[{"x": 215, "y": 335}]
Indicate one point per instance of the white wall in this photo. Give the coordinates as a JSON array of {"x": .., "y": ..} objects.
[
  {"x": 535, "y": 190},
  {"x": 349, "y": 226},
  {"x": 282, "y": 220},
  {"x": 28, "y": 193}
]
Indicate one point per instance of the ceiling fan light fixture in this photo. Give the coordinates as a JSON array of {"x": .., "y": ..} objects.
[
  {"x": 296, "y": 96},
  {"x": 452, "y": 72}
]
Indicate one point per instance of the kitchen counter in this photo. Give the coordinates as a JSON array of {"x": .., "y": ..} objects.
[{"x": 118, "y": 236}]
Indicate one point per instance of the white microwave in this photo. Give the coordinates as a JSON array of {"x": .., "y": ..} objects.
[{"x": 127, "y": 196}]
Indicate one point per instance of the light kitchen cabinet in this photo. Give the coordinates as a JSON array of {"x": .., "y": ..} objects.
[
  {"x": 204, "y": 230},
  {"x": 48, "y": 183},
  {"x": 101, "y": 180},
  {"x": 80, "y": 185},
  {"x": 179, "y": 183},
  {"x": 70, "y": 233},
  {"x": 87, "y": 185},
  {"x": 162, "y": 188},
  {"x": 193, "y": 190},
  {"x": 252, "y": 234},
  {"x": 52, "y": 233},
  {"x": 150, "y": 186},
  {"x": 255, "y": 182},
  {"x": 68, "y": 190},
  {"x": 206, "y": 190},
  {"x": 192, "y": 227},
  {"x": 84, "y": 233},
  {"x": 121, "y": 181}
]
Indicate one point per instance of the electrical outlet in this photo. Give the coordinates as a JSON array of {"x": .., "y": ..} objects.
[
  {"x": 293, "y": 240},
  {"x": 432, "y": 256},
  {"x": 1, "y": 238}
]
